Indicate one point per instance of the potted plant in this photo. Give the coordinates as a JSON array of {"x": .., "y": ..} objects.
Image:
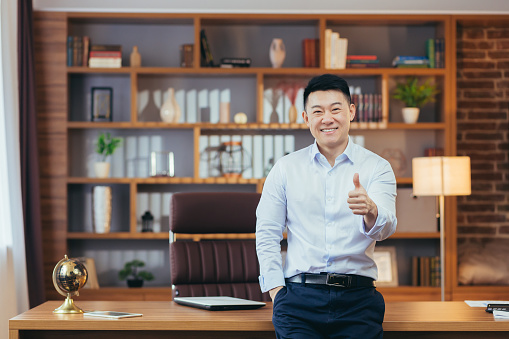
[
  {"x": 136, "y": 277},
  {"x": 414, "y": 96},
  {"x": 105, "y": 146}
]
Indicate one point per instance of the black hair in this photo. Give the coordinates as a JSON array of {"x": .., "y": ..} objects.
[{"x": 326, "y": 82}]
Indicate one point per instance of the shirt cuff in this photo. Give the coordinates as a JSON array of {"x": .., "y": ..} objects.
[
  {"x": 272, "y": 280},
  {"x": 380, "y": 222}
]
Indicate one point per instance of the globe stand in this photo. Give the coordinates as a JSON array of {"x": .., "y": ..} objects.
[{"x": 68, "y": 307}]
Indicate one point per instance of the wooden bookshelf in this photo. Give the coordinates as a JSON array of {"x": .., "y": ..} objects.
[{"x": 65, "y": 132}]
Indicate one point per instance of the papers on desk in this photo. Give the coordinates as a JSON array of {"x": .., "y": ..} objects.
[
  {"x": 500, "y": 314},
  {"x": 112, "y": 314},
  {"x": 484, "y": 303}
]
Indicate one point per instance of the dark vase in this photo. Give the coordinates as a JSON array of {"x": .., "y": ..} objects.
[{"x": 134, "y": 282}]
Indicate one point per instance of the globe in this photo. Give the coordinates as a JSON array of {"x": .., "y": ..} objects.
[{"x": 69, "y": 275}]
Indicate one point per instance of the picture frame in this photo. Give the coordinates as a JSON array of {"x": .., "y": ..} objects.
[
  {"x": 385, "y": 259},
  {"x": 102, "y": 104}
]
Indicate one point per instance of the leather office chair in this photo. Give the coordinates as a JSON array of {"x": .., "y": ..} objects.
[{"x": 214, "y": 267}]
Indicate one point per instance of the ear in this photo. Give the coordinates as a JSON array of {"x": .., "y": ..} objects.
[
  {"x": 352, "y": 111},
  {"x": 305, "y": 117}
]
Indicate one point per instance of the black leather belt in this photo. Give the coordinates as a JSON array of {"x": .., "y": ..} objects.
[{"x": 333, "y": 279}]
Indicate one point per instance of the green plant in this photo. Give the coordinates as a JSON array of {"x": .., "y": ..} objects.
[
  {"x": 415, "y": 95},
  {"x": 131, "y": 270},
  {"x": 106, "y": 145}
]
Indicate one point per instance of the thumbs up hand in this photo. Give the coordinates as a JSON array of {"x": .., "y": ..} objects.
[{"x": 361, "y": 204}]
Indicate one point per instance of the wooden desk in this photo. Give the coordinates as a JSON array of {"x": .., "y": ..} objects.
[{"x": 169, "y": 320}]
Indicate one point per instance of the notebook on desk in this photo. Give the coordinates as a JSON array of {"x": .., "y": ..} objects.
[{"x": 219, "y": 303}]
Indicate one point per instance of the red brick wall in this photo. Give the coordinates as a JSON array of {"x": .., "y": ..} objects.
[{"x": 482, "y": 118}]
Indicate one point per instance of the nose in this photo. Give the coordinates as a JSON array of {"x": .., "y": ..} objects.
[{"x": 327, "y": 117}]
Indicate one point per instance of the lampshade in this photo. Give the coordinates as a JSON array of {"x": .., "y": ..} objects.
[{"x": 441, "y": 176}]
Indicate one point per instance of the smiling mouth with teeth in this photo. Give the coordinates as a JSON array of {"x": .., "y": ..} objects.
[{"x": 329, "y": 130}]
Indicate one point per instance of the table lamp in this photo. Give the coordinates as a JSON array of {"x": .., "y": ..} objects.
[{"x": 441, "y": 176}]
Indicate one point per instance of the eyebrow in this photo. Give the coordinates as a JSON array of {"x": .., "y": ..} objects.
[{"x": 333, "y": 104}]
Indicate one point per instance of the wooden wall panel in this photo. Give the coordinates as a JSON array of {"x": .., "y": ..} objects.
[{"x": 50, "y": 30}]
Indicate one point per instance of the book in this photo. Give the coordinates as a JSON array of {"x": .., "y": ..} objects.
[
  {"x": 86, "y": 50},
  {"x": 69, "y": 50},
  {"x": 111, "y": 314},
  {"x": 186, "y": 55},
  {"x": 362, "y": 57},
  {"x": 327, "y": 41},
  {"x": 236, "y": 62},
  {"x": 430, "y": 52},
  {"x": 106, "y": 48},
  {"x": 310, "y": 52},
  {"x": 105, "y": 54},
  {"x": 439, "y": 53},
  {"x": 206, "y": 54}
]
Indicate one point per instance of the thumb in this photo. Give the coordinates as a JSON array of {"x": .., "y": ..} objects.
[{"x": 356, "y": 181}]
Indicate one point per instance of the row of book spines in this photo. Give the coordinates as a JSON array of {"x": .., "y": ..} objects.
[
  {"x": 435, "y": 52},
  {"x": 336, "y": 50},
  {"x": 368, "y": 107},
  {"x": 77, "y": 50},
  {"x": 426, "y": 271}
]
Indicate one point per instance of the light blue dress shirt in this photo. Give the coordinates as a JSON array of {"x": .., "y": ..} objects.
[{"x": 305, "y": 194}]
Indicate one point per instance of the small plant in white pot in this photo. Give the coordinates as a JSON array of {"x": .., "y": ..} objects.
[
  {"x": 105, "y": 146},
  {"x": 414, "y": 96}
]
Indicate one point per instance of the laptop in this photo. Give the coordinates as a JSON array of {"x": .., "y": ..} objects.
[{"x": 219, "y": 303}]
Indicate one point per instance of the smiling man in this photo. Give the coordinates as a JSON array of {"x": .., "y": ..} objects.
[{"x": 336, "y": 199}]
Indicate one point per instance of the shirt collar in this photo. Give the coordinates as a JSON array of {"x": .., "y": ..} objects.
[{"x": 349, "y": 151}]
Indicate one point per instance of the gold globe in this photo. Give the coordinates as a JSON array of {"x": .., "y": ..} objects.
[{"x": 69, "y": 275}]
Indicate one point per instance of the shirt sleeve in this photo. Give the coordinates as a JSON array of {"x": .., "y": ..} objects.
[
  {"x": 382, "y": 190},
  {"x": 270, "y": 224}
]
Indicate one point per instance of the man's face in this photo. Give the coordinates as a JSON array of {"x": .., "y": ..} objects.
[{"x": 328, "y": 118}]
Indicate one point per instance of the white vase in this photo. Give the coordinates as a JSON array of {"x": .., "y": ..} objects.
[
  {"x": 170, "y": 110},
  {"x": 102, "y": 169},
  {"x": 410, "y": 114},
  {"x": 277, "y": 53},
  {"x": 101, "y": 209}
]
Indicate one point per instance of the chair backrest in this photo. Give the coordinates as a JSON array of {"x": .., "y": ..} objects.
[{"x": 216, "y": 267}]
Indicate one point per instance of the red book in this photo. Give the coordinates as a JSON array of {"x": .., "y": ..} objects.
[
  {"x": 361, "y": 57},
  {"x": 105, "y": 54}
]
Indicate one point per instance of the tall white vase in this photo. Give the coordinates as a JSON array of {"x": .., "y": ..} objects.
[
  {"x": 101, "y": 209},
  {"x": 277, "y": 52},
  {"x": 170, "y": 110}
]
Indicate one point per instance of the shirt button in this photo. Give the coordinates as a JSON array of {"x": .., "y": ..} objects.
[{"x": 329, "y": 199}]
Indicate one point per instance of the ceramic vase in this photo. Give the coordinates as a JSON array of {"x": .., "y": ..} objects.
[
  {"x": 410, "y": 114},
  {"x": 101, "y": 209},
  {"x": 170, "y": 110},
  {"x": 135, "y": 60},
  {"x": 277, "y": 53},
  {"x": 102, "y": 169},
  {"x": 292, "y": 114}
]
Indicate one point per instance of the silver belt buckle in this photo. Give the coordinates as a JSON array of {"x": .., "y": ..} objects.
[{"x": 338, "y": 280}]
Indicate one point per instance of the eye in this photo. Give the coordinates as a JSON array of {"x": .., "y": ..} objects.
[
  {"x": 317, "y": 112},
  {"x": 336, "y": 110}
]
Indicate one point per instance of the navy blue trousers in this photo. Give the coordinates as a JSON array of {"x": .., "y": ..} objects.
[{"x": 321, "y": 311}]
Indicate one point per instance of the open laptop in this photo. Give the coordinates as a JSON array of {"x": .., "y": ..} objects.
[{"x": 219, "y": 303}]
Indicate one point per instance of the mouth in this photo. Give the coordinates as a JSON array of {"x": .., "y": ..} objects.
[{"x": 327, "y": 130}]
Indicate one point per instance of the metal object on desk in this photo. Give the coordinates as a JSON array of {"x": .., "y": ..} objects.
[{"x": 69, "y": 275}]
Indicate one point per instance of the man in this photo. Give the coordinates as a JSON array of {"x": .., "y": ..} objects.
[{"x": 336, "y": 200}]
